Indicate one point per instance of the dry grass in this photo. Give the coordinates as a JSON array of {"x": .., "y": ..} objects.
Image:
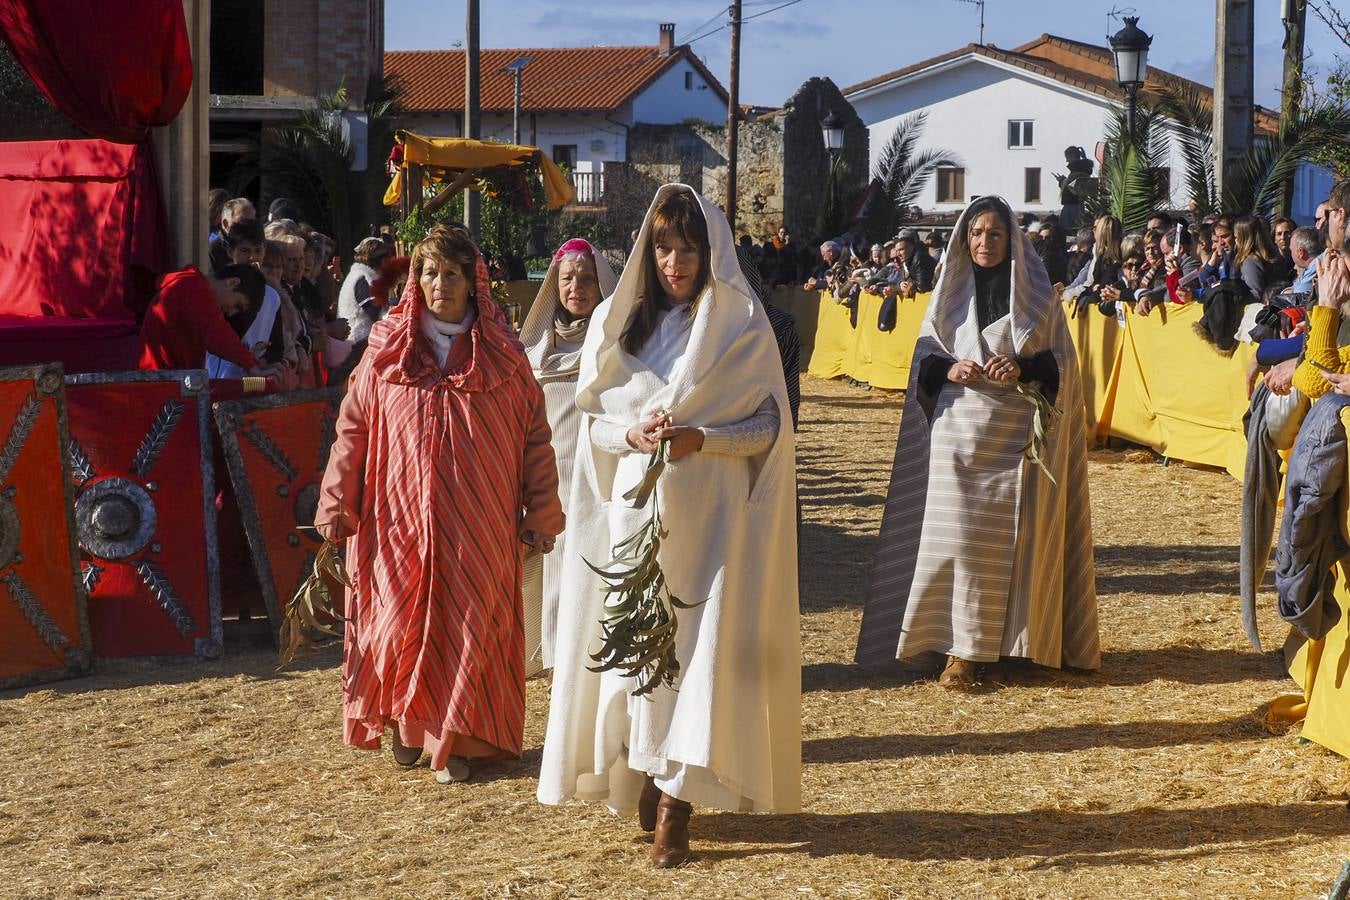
[{"x": 1148, "y": 779}]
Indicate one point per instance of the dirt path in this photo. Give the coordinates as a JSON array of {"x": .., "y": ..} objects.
[{"x": 1148, "y": 779}]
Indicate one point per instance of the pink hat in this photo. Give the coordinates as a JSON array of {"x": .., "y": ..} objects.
[{"x": 575, "y": 245}]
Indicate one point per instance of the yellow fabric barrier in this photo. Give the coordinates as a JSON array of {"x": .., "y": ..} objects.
[
  {"x": 1098, "y": 341},
  {"x": 880, "y": 358},
  {"x": 1176, "y": 394},
  {"x": 835, "y": 351},
  {"x": 1154, "y": 382}
]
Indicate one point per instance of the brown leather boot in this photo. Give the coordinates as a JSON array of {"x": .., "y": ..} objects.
[
  {"x": 670, "y": 848},
  {"x": 647, "y": 803},
  {"x": 959, "y": 675}
]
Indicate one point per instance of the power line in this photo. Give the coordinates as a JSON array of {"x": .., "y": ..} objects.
[{"x": 775, "y": 9}]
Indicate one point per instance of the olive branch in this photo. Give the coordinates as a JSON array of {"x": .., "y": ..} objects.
[
  {"x": 638, "y": 627},
  {"x": 1043, "y": 414}
]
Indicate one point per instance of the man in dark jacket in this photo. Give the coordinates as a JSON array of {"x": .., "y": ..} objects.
[
  {"x": 915, "y": 266},
  {"x": 1051, "y": 250}
]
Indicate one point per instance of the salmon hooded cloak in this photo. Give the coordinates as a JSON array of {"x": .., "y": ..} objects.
[{"x": 434, "y": 473}]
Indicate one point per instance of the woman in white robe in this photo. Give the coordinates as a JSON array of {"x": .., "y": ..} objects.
[
  {"x": 683, "y": 352},
  {"x": 577, "y": 280},
  {"x": 985, "y": 553}
]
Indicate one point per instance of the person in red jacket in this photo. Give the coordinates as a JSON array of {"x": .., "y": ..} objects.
[{"x": 186, "y": 319}]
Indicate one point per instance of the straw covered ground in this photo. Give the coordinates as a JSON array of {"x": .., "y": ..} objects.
[{"x": 1150, "y": 778}]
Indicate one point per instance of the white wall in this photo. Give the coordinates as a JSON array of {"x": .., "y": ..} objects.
[
  {"x": 666, "y": 101},
  {"x": 969, "y": 106}
]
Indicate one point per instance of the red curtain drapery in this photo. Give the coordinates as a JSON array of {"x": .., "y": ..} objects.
[
  {"x": 77, "y": 215},
  {"x": 116, "y": 68}
]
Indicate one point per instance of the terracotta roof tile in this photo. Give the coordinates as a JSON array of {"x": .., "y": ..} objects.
[
  {"x": 1070, "y": 62},
  {"x": 575, "y": 79}
]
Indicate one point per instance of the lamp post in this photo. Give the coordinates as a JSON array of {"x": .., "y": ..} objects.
[
  {"x": 832, "y": 132},
  {"x": 516, "y": 69},
  {"x": 1130, "y": 46}
]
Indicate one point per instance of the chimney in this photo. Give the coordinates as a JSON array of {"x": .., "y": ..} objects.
[{"x": 667, "y": 42}]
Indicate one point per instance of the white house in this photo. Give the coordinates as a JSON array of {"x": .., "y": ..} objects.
[
  {"x": 577, "y": 103},
  {"x": 1010, "y": 114}
]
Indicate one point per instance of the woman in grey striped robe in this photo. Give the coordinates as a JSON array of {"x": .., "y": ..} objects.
[
  {"x": 985, "y": 549},
  {"x": 553, "y": 332}
]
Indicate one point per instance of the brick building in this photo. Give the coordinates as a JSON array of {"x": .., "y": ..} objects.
[{"x": 271, "y": 58}]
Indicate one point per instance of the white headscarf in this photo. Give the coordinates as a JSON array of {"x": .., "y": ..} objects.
[{"x": 538, "y": 332}]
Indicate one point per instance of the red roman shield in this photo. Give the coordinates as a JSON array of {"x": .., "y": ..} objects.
[
  {"x": 277, "y": 448},
  {"x": 145, "y": 512},
  {"x": 44, "y": 632}
]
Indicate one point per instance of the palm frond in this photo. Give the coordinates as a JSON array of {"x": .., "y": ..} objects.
[
  {"x": 912, "y": 177},
  {"x": 1130, "y": 191},
  {"x": 902, "y": 170},
  {"x": 1190, "y": 115},
  {"x": 1254, "y": 182}
]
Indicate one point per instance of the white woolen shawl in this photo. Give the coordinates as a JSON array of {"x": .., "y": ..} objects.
[
  {"x": 556, "y": 370},
  {"x": 730, "y": 735}
]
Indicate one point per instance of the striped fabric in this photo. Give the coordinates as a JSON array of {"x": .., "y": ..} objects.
[
  {"x": 434, "y": 473},
  {"x": 980, "y": 555}
]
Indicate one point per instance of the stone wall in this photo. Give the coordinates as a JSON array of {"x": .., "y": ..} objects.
[
  {"x": 782, "y": 170},
  {"x": 806, "y": 163}
]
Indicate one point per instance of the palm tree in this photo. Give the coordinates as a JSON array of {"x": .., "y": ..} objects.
[
  {"x": 1132, "y": 189},
  {"x": 310, "y": 163},
  {"x": 1255, "y": 179},
  {"x": 900, "y": 175},
  {"x": 1254, "y": 183}
]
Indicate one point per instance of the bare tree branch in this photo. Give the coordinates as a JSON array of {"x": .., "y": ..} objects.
[{"x": 1333, "y": 18}]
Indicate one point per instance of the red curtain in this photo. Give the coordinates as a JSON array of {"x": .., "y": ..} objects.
[
  {"x": 75, "y": 216},
  {"x": 116, "y": 68}
]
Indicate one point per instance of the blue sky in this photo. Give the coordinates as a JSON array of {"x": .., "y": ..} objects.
[{"x": 850, "y": 41}]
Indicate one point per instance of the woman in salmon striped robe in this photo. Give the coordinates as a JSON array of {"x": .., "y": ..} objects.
[{"x": 442, "y": 477}]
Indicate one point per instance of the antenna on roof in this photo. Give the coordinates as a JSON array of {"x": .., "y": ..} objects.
[
  {"x": 1114, "y": 14},
  {"x": 980, "y": 4}
]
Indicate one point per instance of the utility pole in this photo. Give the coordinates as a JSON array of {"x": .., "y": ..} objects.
[
  {"x": 472, "y": 114},
  {"x": 1294, "y": 14},
  {"x": 733, "y": 114},
  {"x": 1233, "y": 108}
]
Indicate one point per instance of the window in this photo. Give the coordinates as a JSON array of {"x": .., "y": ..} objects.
[
  {"x": 1020, "y": 133},
  {"x": 688, "y": 81},
  {"x": 951, "y": 185},
  {"x": 565, "y": 155},
  {"x": 1033, "y": 186}
]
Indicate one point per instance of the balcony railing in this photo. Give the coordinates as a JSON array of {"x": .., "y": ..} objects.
[{"x": 590, "y": 187}]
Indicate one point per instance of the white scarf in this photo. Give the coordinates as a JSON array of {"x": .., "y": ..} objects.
[{"x": 442, "y": 334}]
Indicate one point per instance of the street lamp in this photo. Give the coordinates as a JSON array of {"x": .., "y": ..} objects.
[
  {"x": 516, "y": 69},
  {"x": 1130, "y": 46},
  {"x": 832, "y": 131}
]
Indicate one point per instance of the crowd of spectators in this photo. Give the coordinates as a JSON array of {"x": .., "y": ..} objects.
[{"x": 303, "y": 323}]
